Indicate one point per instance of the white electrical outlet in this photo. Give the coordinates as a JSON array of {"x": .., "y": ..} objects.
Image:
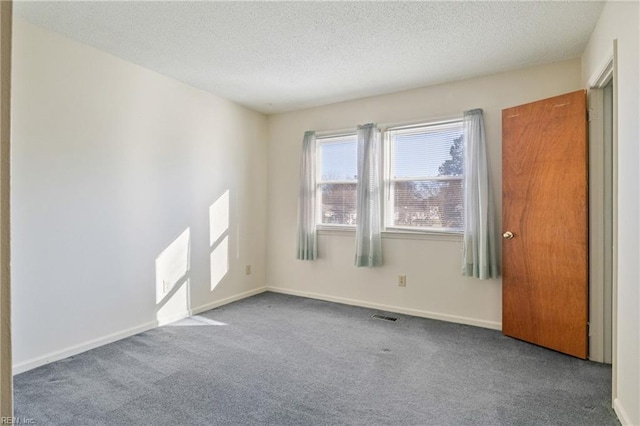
[
  {"x": 247, "y": 269},
  {"x": 402, "y": 280}
]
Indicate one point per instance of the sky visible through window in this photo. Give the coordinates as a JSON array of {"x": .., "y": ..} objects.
[
  {"x": 418, "y": 154},
  {"x": 339, "y": 160},
  {"x": 422, "y": 154}
]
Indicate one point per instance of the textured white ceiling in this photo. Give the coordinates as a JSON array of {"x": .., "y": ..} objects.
[{"x": 282, "y": 56}]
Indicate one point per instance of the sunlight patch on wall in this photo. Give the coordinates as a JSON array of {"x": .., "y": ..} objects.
[
  {"x": 172, "y": 278},
  {"x": 219, "y": 239},
  {"x": 172, "y": 265},
  {"x": 219, "y": 262},
  {"x": 219, "y": 218},
  {"x": 176, "y": 304}
]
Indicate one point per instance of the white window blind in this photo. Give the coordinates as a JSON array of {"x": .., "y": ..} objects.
[
  {"x": 424, "y": 181},
  {"x": 336, "y": 180}
]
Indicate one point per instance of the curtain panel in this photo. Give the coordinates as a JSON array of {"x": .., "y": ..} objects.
[
  {"x": 479, "y": 250},
  {"x": 369, "y": 197},
  {"x": 307, "y": 247}
]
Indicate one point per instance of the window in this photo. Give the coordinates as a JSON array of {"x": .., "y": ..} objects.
[
  {"x": 336, "y": 180},
  {"x": 424, "y": 182},
  {"x": 423, "y": 167}
]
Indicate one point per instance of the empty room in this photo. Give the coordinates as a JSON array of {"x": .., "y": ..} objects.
[{"x": 314, "y": 213}]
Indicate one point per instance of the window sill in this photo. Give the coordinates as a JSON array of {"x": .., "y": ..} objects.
[
  {"x": 341, "y": 231},
  {"x": 395, "y": 234}
]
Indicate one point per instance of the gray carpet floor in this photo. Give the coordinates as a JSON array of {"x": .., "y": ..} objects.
[{"x": 274, "y": 359}]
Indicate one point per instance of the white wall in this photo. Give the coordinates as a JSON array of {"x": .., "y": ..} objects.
[
  {"x": 620, "y": 21},
  {"x": 435, "y": 287},
  {"x": 6, "y": 376},
  {"x": 115, "y": 169}
]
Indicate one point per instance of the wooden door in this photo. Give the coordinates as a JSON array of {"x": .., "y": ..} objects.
[{"x": 544, "y": 208}]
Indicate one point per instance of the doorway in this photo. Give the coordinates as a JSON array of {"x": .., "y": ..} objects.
[{"x": 601, "y": 221}]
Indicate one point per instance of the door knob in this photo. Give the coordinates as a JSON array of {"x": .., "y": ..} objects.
[{"x": 507, "y": 235}]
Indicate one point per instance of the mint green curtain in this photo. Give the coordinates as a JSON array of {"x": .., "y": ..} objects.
[
  {"x": 479, "y": 251},
  {"x": 307, "y": 245},
  {"x": 369, "y": 197}
]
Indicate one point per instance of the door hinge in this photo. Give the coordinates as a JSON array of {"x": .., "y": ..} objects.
[
  {"x": 589, "y": 329},
  {"x": 589, "y": 114}
]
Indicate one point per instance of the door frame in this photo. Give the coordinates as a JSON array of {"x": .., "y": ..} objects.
[
  {"x": 600, "y": 218},
  {"x": 596, "y": 84}
]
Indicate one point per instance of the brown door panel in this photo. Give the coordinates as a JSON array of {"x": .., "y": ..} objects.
[{"x": 544, "y": 189}]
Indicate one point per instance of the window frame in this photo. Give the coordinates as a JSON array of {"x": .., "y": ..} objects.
[
  {"x": 388, "y": 229},
  {"x": 389, "y": 187},
  {"x": 319, "y": 182}
]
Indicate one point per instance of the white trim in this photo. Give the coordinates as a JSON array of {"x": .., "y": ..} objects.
[
  {"x": 227, "y": 300},
  {"x": 428, "y": 126},
  {"x": 596, "y": 225},
  {"x": 325, "y": 134},
  {"x": 339, "y": 182},
  {"x": 339, "y": 230},
  {"x": 614, "y": 242},
  {"x": 202, "y": 308},
  {"x": 600, "y": 78},
  {"x": 327, "y": 140},
  {"x": 389, "y": 178},
  {"x": 339, "y": 135},
  {"x": 440, "y": 119},
  {"x": 110, "y": 338},
  {"x": 624, "y": 418},
  {"x": 494, "y": 325},
  {"x": 402, "y": 234},
  {"x": 427, "y": 178},
  {"x": 392, "y": 233},
  {"x": 81, "y": 347},
  {"x": 435, "y": 120}
]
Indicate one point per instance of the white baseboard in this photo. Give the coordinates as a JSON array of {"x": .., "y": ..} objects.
[
  {"x": 79, "y": 348},
  {"x": 621, "y": 413},
  {"x": 227, "y": 300},
  {"x": 389, "y": 308},
  {"x": 208, "y": 306},
  {"x": 100, "y": 341}
]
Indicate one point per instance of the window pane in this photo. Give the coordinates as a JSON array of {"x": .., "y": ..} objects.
[
  {"x": 338, "y": 157},
  {"x": 429, "y": 204},
  {"x": 428, "y": 152},
  {"x": 338, "y": 203}
]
